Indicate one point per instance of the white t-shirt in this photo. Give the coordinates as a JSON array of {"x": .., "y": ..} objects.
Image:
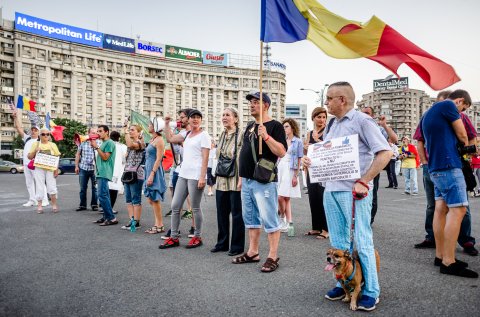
[
  {"x": 212, "y": 156},
  {"x": 179, "y": 150},
  {"x": 27, "y": 148},
  {"x": 192, "y": 155}
]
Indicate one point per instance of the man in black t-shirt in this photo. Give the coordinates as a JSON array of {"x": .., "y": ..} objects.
[{"x": 260, "y": 200}]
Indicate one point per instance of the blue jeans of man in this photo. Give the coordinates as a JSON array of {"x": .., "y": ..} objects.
[
  {"x": 466, "y": 226},
  {"x": 83, "y": 177},
  {"x": 338, "y": 209},
  {"x": 410, "y": 175},
  {"x": 104, "y": 198}
]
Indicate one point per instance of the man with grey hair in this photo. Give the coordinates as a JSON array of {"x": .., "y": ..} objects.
[
  {"x": 85, "y": 169},
  {"x": 374, "y": 154}
]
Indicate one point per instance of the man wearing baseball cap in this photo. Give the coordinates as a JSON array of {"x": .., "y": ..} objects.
[{"x": 260, "y": 199}]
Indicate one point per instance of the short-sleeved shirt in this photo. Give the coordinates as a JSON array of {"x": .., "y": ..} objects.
[
  {"x": 440, "y": 138},
  {"x": 135, "y": 158},
  {"x": 105, "y": 168},
  {"x": 47, "y": 148},
  {"x": 87, "y": 156},
  {"x": 467, "y": 123},
  {"x": 408, "y": 162},
  {"x": 27, "y": 139},
  {"x": 370, "y": 142},
  {"x": 192, "y": 155},
  {"x": 178, "y": 149},
  {"x": 247, "y": 164}
]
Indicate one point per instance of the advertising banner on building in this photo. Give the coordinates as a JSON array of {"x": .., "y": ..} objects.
[
  {"x": 186, "y": 54},
  {"x": 149, "y": 48},
  {"x": 390, "y": 84},
  {"x": 118, "y": 43},
  {"x": 58, "y": 31},
  {"x": 213, "y": 58},
  {"x": 274, "y": 66}
]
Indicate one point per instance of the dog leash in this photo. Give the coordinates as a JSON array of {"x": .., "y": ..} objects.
[{"x": 356, "y": 196}]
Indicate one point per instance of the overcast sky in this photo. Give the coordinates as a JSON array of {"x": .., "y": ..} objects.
[{"x": 446, "y": 29}]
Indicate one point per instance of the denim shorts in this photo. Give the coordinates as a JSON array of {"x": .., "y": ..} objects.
[
  {"x": 450, "y": 186},
  {"x": 260, "y": 205},
  {"x": 133, "y": 193}
]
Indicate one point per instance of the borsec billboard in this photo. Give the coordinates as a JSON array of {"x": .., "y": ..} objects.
[
  {"x": 186, "y": 54},
  {"x": 57, "y": 31},
  {"x": 150, "y": 48},
  {"x": 213, "y": 58},
  {"x": 118, "y": 43},
  {"x": 390, "y": 84}
]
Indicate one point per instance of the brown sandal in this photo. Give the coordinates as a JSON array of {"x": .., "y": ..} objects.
[
  {"x": 270, "y": 265},
  {"x": 244, "y": 258}
]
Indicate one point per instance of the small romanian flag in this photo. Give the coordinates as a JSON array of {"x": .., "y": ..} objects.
[{"x": 26, "y": 104}]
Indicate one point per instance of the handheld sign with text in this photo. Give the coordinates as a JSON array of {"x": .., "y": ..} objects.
[
  {"x": 46, "y": 161},
  {"x": 334, "y": 160}
]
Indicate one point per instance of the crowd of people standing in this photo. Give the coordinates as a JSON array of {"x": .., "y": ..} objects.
[{"x": 255, "y": 187}]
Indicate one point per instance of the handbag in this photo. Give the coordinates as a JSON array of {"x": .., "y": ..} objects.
[
  {"x": 265, "y": 170},
  {"x": 225, "y": 165},
  {"x": 130, "y": 177},
  {"x": 31, "y": 164}
]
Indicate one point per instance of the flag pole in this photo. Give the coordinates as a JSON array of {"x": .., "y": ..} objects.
[{"x": 261, "y": 97}]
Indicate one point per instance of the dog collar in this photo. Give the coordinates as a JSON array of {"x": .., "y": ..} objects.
[{"x": 350, "y": 278}]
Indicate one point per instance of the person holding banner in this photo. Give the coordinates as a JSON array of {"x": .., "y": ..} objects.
[
  {"x": 374, "y": 153},
  {"x": 29, "y": 140},
  {"x": 44, "y": 172},
  {"x": 316, "y": 190}
]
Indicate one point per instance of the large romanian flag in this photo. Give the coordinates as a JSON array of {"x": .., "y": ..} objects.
[
  {"x": 288, "y": 21},
  {"x": 25, "y": 104}
]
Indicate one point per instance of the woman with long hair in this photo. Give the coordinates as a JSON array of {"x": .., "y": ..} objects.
[
  {"x": 316, "y": 190},
  {"x": 228, "y": 194},
  {"x": 191, "y": 179},
  {"x": 135, "y": 159},
  {"x": 155, "y": 186},
  {"x": 288, "y": 168},
  {"x": 44, "y": 175}
]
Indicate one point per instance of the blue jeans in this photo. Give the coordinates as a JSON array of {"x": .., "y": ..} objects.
[
  {"x": 104, "y": 198},
  {"x": 260, "y": 205},
  {"x": 450, "y": 187},
  {"x": 410, "y": 175},
  {"x": 133, "y": 193},
  {"x": 338, "y": 209},
  {"x": 83, "y": 177},
  {"x": 466, "y": 227}
]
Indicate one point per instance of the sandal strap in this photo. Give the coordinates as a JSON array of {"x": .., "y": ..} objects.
[
  {"x": 271, "y": 264},
  {"x": 244, "y": 258}
]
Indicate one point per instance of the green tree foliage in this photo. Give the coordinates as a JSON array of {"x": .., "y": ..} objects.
[{"x": 67, "y": 147}]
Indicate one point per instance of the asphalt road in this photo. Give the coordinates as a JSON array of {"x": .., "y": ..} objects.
[{"x": 62, "y": 264}]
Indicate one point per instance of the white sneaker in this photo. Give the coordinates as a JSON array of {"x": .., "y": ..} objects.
[
  {"x": 45, "y": 203},
  {"x": 28, "y": 204},
  {"x": 284, "y": 225}
]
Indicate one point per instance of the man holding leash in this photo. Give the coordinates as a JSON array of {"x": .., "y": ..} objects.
[{"x": 374, "y": 154}]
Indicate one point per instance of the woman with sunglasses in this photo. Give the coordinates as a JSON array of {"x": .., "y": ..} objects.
[{"x": 44, "y": 174}]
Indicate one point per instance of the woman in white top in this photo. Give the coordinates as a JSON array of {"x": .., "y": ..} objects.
[{"x": 192, "y": 177}]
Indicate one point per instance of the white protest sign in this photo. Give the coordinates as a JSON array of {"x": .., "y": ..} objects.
[
  {"x": 336, "y": 159},
  {"x": 46, "y": 161}
]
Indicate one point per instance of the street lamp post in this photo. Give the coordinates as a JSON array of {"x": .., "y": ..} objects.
[{"x": 319, "y": 93}]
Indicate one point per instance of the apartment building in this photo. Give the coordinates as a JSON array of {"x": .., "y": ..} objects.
[{"x": 99, "y": 86}]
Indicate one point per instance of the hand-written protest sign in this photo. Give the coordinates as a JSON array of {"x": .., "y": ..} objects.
[
  {"x": 333, "y": 160},
  {"x": 46, "y": 161}
]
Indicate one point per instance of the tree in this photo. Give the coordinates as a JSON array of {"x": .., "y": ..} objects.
[{"x": 67, "y": 147}]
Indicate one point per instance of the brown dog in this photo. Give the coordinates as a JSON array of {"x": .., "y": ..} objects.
[{"x": 341, "y": 262}]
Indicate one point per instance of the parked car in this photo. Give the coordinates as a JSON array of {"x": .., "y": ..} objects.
[
  {"x": 7, "y": 166},
  {"x": 66, "y": 165}
]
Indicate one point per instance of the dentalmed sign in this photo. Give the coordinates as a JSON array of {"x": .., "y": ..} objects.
[
  {"x": 213, "y": 58},
  {"x": 58, "y": 31},
  {"x": 118, "y": 43},
  {"x": 150, "y": 48},
  {"x": 186, "y": 54}
]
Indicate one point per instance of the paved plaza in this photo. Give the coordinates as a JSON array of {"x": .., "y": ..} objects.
[{"x": 63, "y": 265}]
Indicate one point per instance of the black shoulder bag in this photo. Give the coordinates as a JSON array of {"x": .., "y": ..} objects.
[
  {"x": 265, "y": 170},
  {"x": 225, "y": 165}
]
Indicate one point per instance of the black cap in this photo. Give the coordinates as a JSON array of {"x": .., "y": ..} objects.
[
  {"x": 256, "y": 95},
  {"x": 194, "y": 112}
]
